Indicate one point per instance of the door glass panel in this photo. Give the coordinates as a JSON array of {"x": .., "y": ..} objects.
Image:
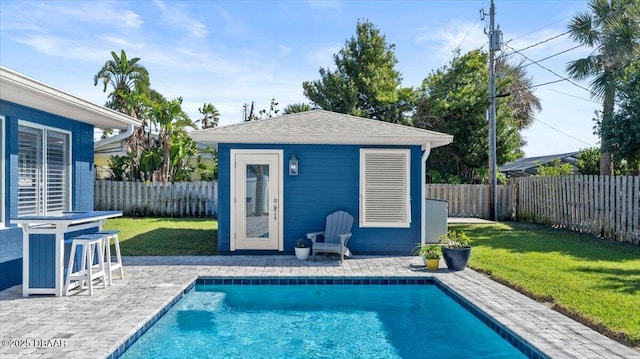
[{"x": 257, "y": 201}]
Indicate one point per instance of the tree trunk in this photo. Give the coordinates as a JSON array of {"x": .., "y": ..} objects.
[{"x": 606, "y": 163}]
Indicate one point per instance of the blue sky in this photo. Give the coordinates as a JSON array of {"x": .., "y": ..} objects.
[{"x": 234, "y": 52}]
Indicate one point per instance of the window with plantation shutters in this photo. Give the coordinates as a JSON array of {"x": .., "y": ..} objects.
[
  {"x": 43, "y": 171},
  {"x": 384, "y": 188}
]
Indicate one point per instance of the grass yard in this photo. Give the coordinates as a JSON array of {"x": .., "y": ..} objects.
[
  {"x": 165, "y": 236},
  {"x": 595, "y": 281}
]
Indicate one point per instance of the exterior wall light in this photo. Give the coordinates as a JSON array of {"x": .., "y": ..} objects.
[{"x": 293, "y": 166}]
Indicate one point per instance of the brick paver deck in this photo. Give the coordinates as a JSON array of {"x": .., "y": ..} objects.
[{"x": 94, "y": 327}]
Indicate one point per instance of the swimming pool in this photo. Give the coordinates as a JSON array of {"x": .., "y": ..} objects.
[{"x": 380, "y": 319}]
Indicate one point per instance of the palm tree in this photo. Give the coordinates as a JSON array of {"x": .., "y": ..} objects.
[
  {"x": 518, "y": 84},
  {"x": 612, "y": 28},
  {"x": 124, "y": 75},
  {"x": 210, "y": 115},
  {"x": 296, "y": 107}
]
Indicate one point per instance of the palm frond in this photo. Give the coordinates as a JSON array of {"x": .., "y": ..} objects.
[
  {"x": 582, "y": 69},
  {"x": 582, "y": 29}
]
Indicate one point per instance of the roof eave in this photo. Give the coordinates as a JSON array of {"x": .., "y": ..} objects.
[
  {"x": 25, "y": 91},
  {"x": 213, "y": 139}
]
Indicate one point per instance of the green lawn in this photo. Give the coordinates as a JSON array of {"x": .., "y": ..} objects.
[
  {"x": 165, "y": 236},
  {"x": 595, "y": 280}
]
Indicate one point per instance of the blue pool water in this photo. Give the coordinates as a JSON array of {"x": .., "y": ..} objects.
[{"x": 319, "y": 321}]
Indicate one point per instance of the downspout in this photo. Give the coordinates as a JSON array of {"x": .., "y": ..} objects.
[
  {"x": 426, "y": 150},
  {"x": 116, "y": 138}
]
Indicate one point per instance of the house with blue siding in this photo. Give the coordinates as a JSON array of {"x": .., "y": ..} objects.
[
  {"x": 46, "y": 154},
  {"x": 279, "y": 178}
]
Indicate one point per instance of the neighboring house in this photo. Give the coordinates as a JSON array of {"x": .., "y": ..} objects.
[
  {"x": 529, "y": 166},
  {"x": 279, "y": 178},
  {"x": 115, "y": 146},
  {"x": 46, "y": 149}
]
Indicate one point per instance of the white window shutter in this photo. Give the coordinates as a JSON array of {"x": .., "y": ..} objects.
[
  {"x": 385, "y": 188},
  {"x": 44, "y": 171},
  {"x": 57, "y": 174},
  {"x": 29, "y": 171}
]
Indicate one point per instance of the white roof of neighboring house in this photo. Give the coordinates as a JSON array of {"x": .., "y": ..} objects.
[
  {"x": 22, "y": 90},
  {"x": 321, "y": 127}
]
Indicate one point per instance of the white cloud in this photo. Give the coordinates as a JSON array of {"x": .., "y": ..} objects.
[
  {"x": 321, "y": 55},
  {"x": 443, "y": 42},
  {"x": 284, "y": 50},
  {"x": 177, "y": 17},
  {"x": 83, "y": 12},
  {"x": 131, "y": 19},
  {"x": 233, "y": 26},
  {"x": 63, "y": 47}
]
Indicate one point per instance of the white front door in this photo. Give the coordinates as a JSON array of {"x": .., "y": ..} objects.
[{"x": 256, "y": 191}]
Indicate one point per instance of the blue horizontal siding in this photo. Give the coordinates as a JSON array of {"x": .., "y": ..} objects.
[{"x": 328, "y": 181}]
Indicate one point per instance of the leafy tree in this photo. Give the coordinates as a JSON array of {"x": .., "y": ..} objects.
[
  {"x": 589, "y": 161},
  {"x": 169, "y": 118},
  {"x": 159, "y": 149},
  {"x": 365, "y": 81},
  {"x": 622, "y": 133},
  {"x": 612, "y": 28},
  {"x": 555, "y": 168},
  {"x": 124, "y": 75},
  {"x": 210, "y": 115},
  {"x": 454, "y": 100},
  {"x": 296, "y": 107}
]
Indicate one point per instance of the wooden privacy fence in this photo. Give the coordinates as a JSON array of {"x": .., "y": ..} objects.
[
  {"x": 472, "y": 200},
  {"x": 183, "y": 199},
  {"x": 607, "y": 206}
]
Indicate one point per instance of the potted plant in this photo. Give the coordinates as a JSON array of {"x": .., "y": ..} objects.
[
  {"x": 430, "y": 254},
  {"x": 302, "y": 249},
  {"x": 455, "y": 249}
]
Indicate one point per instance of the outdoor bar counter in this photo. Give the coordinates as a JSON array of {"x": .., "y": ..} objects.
[{"x": 43, "y": 250}]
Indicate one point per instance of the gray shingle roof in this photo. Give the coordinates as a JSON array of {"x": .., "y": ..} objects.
[
  {"x": 529, "y": 166},
  {"x": 321, "y": 127}
]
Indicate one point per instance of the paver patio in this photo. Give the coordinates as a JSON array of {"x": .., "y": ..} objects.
[{"x": 94, "y": 327}]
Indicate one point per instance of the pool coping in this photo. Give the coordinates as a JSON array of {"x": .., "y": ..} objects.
[
  {"x": 519, "y": 343},
  {"x": 96, "y": 326}
]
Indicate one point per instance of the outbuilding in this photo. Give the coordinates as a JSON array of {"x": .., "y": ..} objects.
[{"x": 279, "y": 178}]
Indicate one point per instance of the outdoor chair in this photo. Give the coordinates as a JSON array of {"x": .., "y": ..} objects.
[{"x": 337, "y": 232}]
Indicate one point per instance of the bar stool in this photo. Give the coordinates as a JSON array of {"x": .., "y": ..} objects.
[
  {"x": 107, "y": 235},
  {"x": 91, "y": 244}
]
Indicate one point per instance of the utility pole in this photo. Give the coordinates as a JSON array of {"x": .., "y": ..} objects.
[{"x": 495, "y": 40}]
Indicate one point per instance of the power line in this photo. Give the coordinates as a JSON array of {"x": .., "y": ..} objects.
[
  {"x": 574, "y": 96},
  {"x": 541, "y": 28},
  {"x": 566, "y": 134},
  {"x": 614, "y": 13},
  {"x": 551, "y": 71},
  {"x": 538, "y": 85},
  {"x": 457, "y": 48},
  {"x": 554, "y": 55},
  {"x": 534, "y": 45}
]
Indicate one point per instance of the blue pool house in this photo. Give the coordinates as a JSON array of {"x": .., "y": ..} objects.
[
  {"x": 279, "y": 178},
  {"x": 46, "y": 154}
]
